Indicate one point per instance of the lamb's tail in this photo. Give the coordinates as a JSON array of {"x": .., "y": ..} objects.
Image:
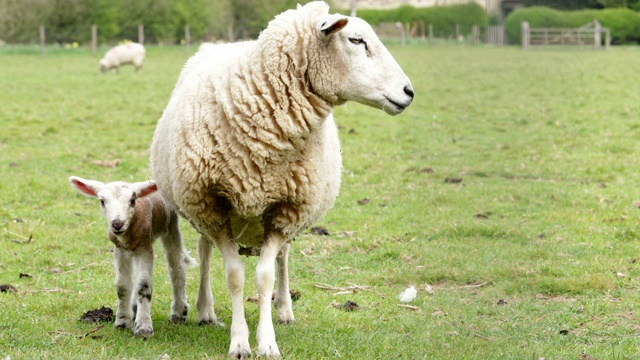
[{"x": 188, "y": 260}]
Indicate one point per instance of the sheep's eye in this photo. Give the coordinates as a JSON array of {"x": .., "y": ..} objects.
[
  {"x": 132, "y": 202},
  {"x": 102, "y": 202},
  {"x": 357, "y": 40}
]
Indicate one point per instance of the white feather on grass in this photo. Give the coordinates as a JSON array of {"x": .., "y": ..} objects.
[{"x": 408, "y": 294}]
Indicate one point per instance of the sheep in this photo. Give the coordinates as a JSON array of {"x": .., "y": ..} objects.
[
  {"x": 136, "y": 215},
  {"x": 247, "y": 149},
  {"x": 129, "y": 53}
]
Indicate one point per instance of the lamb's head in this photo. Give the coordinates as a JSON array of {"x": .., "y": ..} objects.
[
  {"x": 117, "y": 199},
  {"x": 351, "y": 63}
]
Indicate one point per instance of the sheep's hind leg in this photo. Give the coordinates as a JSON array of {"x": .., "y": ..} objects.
[
  {"x": 143, "y": 292},
  {"x": 124, "y": 269},
  {"x": 206, "y": 312},
  {"x": 265, "y": 279},
  {"x": 175, "y": 254},
  {"x": 282, "y": 303}
]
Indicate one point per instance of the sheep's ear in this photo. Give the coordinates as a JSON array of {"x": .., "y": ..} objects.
[
  {"x": 332, "y": 25},
  {"x": 85, "y": 187},
  {"x": 144, "y": 188}
]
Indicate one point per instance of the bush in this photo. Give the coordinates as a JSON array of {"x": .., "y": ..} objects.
[
  {"x": 624, "y": 23},
  {"x": 443, "y": 18}
]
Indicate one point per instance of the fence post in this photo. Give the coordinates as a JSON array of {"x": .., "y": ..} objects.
[
  {"x": 474, "y": 31},
  {"x": 141, "y": 34},
  {"x": 402, "y": 33},
  {"x": 187, "y": 39},
  {"x": 597, "y": 34},
  {"x": 42, "y": 40},
  {"x": 525, "y": 35},
  {"x": 94, "y": 39}
]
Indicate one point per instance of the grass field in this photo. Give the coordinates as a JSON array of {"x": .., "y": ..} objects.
[{"x": 533, "y": 254}]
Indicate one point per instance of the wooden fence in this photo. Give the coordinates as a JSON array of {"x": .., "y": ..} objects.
[{"x": 589, "y": 35}]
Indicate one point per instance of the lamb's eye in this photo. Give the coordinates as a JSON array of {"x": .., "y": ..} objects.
[
  {"x": 102, "y": 202},
  {"x": 357, "y": 40},
  {"x": 132, "y": 202}
]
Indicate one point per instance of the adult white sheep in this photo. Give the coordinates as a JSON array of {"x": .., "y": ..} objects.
[
  {"x": 136, "y": 215},
  {"x": 129, "y": 53},
  {"x": 248, "y": 151}
]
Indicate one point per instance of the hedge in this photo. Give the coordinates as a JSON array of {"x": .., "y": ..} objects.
[
  {"x": 624, "y": 23},
  {"x": 443, "y": 18}
]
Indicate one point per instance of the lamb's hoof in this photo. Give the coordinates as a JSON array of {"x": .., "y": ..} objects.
[
  {"x": 209, "y": 322},
  {"x": 143, "y": 332},
  {"x": 178, "y": 319},
  {"x": 123, "y": 324}
]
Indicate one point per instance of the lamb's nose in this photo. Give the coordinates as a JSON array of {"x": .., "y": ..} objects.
[
  {"x": 409, "y": 91},
  {"x": 117, "y": 224}
]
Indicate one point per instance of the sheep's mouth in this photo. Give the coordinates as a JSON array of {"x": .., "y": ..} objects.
[
  {"x": 394, "y": 107},
  {"x": 118, "y": 232}
]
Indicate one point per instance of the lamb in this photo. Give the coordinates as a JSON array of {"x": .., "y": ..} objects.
[
  {"x": 247, "y": 149},
  {"x": 136, "y": 215},
  {"x": 129, "y": 53}
]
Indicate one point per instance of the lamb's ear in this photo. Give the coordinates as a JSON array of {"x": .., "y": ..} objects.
[
  {"x": 144, "y": 188},
  {"x": 331, "y": 25},
  {"x": 85, "y": 187}
]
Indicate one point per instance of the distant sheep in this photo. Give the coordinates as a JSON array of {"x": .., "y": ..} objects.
[
  {"x": 136, "y": 215},
  {"x": 129, "y": 53},
  {"x": 248, "y": 151}
]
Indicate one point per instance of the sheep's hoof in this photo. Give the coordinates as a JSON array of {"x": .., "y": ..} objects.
[
  {"x": 144, "y": 332},
  {"x": 285, "y": 321},
  {"x": 240, "y": 354}
]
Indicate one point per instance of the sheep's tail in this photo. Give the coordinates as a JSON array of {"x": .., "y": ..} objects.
[{"x": 189, "y": 262}]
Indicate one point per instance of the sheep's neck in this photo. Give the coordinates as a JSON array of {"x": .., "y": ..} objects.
[{"x": 277, "y": 101}]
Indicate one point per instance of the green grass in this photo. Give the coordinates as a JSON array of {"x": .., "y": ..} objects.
[{"x": 544, "y": 218}]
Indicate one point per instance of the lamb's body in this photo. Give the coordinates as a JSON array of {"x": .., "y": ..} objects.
[
  {"x": 137, "y": 215},
  {"x": 129, "y": 53},
  {"x": 248, "y": 151}
]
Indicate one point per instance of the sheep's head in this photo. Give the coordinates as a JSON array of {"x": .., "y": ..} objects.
[
  {"x": 103, "y": 66},
  {"x": 351, "y": 63},
  {"x": 117, "y": 199}
]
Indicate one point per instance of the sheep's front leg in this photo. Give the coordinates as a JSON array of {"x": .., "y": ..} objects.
[
  {"x": 265, "y": 279},
  {"x": 123, "y": 266},
  {"x": 282, "y": 303},
  {"x": 143, "y": 259},
  {"x": 206, "y": 313},
  {"x": 234, "y": 274}
]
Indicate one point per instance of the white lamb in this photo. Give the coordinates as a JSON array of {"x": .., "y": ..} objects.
[
  {"x": 248, "y": 151},
  {"x": 129, "y": 53},
  {"x": 136, "y": 215}
]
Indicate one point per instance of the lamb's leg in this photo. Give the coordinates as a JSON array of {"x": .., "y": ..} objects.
[
  {"x": 234, "y": 274},
  {"x": 265, "y": 278},
  {"x": 206, "y": 313},
  {"x": 124, "y": 268},
  {"x": 143, "y": 259},
  {"x": 282, "y": 303},
  {"x": 175, "y": 255}
]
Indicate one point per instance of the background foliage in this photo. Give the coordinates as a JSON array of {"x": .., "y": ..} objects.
[
  {"x": 443, "y": 18},
  {"x": 624, "y": 23},
  {"x": 164, "y": 20}
]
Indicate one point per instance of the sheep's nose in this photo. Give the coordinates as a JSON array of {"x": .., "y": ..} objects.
[
  {"x": 117, "y": 225},
  {"x": 408, "y": 90}
]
